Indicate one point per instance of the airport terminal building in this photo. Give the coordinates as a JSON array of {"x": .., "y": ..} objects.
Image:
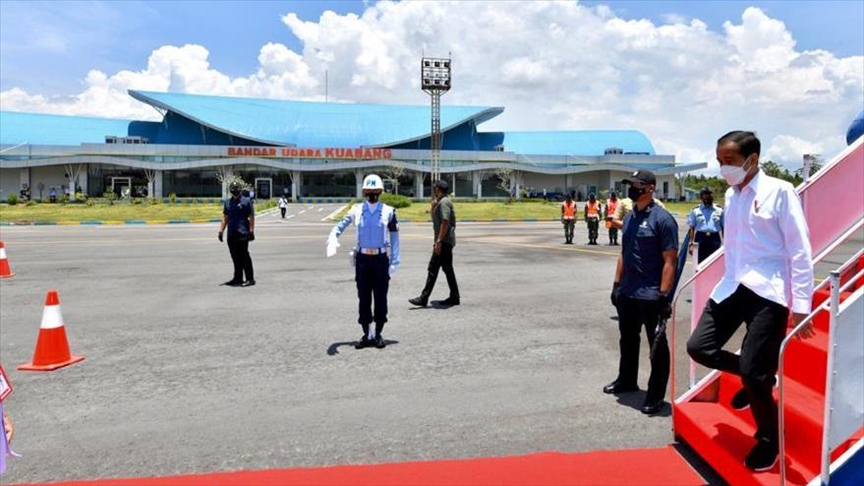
[{"x": 310, "y": 149}]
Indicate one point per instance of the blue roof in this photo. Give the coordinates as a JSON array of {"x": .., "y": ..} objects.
[
  {"x": 42, "y": 129},
  {"x": 583, "y": 142},
  {"x": 313, "y": 124}
]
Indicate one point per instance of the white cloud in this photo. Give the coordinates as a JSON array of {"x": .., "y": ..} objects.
[{"x": 554, "y": 66}]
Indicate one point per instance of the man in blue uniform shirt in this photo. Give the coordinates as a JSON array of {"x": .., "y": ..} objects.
[
  {"x": 642, "y": 287},
  {"x": 706, "y": 225},
  {"x": 238, "y": 216},
  {"x": 377, "y": 232}
]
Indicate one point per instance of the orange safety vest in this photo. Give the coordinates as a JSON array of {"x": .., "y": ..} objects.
[
  {"x": 569, "y": 210},
  {"x": 593, "y": 209},
  {"x": 611, "y": 206}
]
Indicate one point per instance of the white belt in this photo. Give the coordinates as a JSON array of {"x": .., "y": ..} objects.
[{"x": 373, "y": 251}]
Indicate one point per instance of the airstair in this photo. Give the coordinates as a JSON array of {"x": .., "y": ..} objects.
[{"x": 821, "y": 386}]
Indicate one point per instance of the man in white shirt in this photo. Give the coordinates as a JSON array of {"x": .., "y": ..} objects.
[{"x": 769, "y": 268}]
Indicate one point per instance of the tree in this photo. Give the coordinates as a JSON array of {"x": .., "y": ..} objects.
[
  {"x": 505, "y": 181},
  {"x": 392, "y": 174},
  {"x": 816, "y": 164}
]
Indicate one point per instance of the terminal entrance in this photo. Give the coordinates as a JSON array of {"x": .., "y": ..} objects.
[
  {"x": 263, "y": 187},
  {"x": 121, "y": 187}
]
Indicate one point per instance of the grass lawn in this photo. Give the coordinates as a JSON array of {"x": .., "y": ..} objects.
[
  {"x": 484, "y": 211},
  {"x": 117, "y": 213}
]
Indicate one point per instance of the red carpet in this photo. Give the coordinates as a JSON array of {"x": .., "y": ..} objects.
[{"x": 627, "y": 467}]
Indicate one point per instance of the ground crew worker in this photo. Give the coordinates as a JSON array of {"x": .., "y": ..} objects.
[
  {"x": 592, "y": 218},
  {"x": 706, "y": 225},
  {"x": 641, "y": 291},
  {"x": 376, "y": 257},
  {"x": 444, "y": 228},
  {"x": 611, "y": 207},
  {"x": 769, "y": 268},
  {"x": 568, "y": 218},
  {"x": 238, "y": 215}
]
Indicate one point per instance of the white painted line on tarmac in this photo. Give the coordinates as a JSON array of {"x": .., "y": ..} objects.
[
  {"x": 290, "y": 216},
  {"x": 301, "y": 212},
  {"x": 320, "y": 209},
  {"x": 310, "y": 207},
  {"x": 334, "y": 213}
]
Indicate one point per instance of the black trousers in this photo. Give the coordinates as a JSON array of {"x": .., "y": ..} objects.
[
  {"x": 282, "y": 210},
  {"x": 766, "y": 327},
  {"x": 633, "y": 314},
  {"x": 708, "y": 244},
  {"x": 444, "y": 261},
  {"x": 372, "y": 274},
  {"x": 238, "y": 245},
  {"x": 613, "y": 235}
]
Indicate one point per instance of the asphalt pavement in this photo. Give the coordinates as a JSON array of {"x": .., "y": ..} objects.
[{"x": 183, "y": 375}]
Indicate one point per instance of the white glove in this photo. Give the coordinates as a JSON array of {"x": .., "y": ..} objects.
[
  {"x": 393, "y": 269},
  {"x": 332, "y": 245}
]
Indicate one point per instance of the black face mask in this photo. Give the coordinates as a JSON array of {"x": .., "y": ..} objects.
[
  {"x": 372, "y": 197},
  {"x": 635, "y": 193},
  {"x": 708, "y": 201},
  {"x": 235, "y": 193}
]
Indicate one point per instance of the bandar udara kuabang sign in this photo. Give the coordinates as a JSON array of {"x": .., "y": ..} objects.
[{"x": 311, "y": 153}]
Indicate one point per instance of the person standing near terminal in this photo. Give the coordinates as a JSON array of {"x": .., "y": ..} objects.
[
  {"x": 238, "y": 216},
  {"x": 568, "y": 218},
  {"x": 641, "y": 291},
  {"x": 592, "y": 218},
  {"x": 377, "y": 257},
  {"x": 444, "y": 229},
  {"x": 611, "y": 207},
  {"x": 706, "y": 225},
  {"x": 769, "y": 267},
  {"x": 283, "y": 205}
]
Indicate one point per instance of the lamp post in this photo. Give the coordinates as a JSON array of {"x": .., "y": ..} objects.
[{"x": 435, "y": 80}]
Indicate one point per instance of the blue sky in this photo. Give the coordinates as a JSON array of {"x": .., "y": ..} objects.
[
  {"x": 682, "y": 72},
  {"x": 50, "y": 46}
]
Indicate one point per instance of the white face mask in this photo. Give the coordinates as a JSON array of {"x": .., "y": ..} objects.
[{"x": 734, "y": 174}]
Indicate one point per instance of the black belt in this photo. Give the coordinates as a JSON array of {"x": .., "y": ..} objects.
[{"x": 708, "y": 233}]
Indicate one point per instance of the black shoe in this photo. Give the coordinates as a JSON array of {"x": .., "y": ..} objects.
[
  {"x": 362, "y": 343},
  {"x": 617, "y": 387},
  {"x": 449, "y": 302},
  {"x": 763, "y": 456},
  {"x": 233, "y": 283},
  {"x": 741, "y": 400},
  {"x": 418, "y": 301},
  {"x": 249, "y": 283},
  {"x": 379, "y": 342},
  {"x": 651, "y": 407}
]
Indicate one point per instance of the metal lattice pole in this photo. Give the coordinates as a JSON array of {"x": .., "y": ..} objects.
[
  {"x": 435, "y": 80},
  {"x": 436, "y": 136}
]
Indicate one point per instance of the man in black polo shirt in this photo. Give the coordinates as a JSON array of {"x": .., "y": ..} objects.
[
  {"x": 642, "y": 287},
  {"x": 238, "y": 215}
]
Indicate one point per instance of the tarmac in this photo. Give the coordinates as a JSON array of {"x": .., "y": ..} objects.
[{"x": 183, "y": 375}]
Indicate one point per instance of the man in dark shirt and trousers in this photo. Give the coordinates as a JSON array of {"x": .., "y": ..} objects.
[
  {"x": 641, "y": 291},
  {"x": 444, "y": 226},
  {"x": 238, "y": 215},
  {"x": 768, "y": 269}
]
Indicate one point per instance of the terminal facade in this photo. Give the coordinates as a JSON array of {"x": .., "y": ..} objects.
[{"x": 311, "y": 149}]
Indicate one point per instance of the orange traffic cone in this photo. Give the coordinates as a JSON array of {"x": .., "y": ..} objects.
[
  {"x": 5, "y": 271},
  {"x": 52, "y": 348}
]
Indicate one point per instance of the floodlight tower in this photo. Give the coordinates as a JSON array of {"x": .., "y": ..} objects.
[{"x": 435, "y": 80}]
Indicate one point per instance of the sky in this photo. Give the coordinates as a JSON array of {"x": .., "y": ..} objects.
[{"x": 682, "y": 72}]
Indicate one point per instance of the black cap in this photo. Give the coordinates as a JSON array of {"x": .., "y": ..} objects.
[
  {"x": 234, "y": 187},
  {"x": 705, "y": 190},
  {"x": 442, "y": 185},
  {"x": 642, "y": 176}
]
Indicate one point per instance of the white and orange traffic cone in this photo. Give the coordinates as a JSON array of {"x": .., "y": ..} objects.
[
  {"x": 5, "y": 271},
  {"x": 52, "y": 348}
]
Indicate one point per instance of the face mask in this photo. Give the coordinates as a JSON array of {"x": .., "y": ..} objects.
[
  {"x": 635, "y": 193},
  {"x": 235, "y": 193},
  {"x": 372, "y": 197},
  {"x": 707, "y": 201},
  {"x": 734, "y": 174}
]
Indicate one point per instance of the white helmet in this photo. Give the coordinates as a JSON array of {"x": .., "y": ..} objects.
[{"x": 373, "y": 183}]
